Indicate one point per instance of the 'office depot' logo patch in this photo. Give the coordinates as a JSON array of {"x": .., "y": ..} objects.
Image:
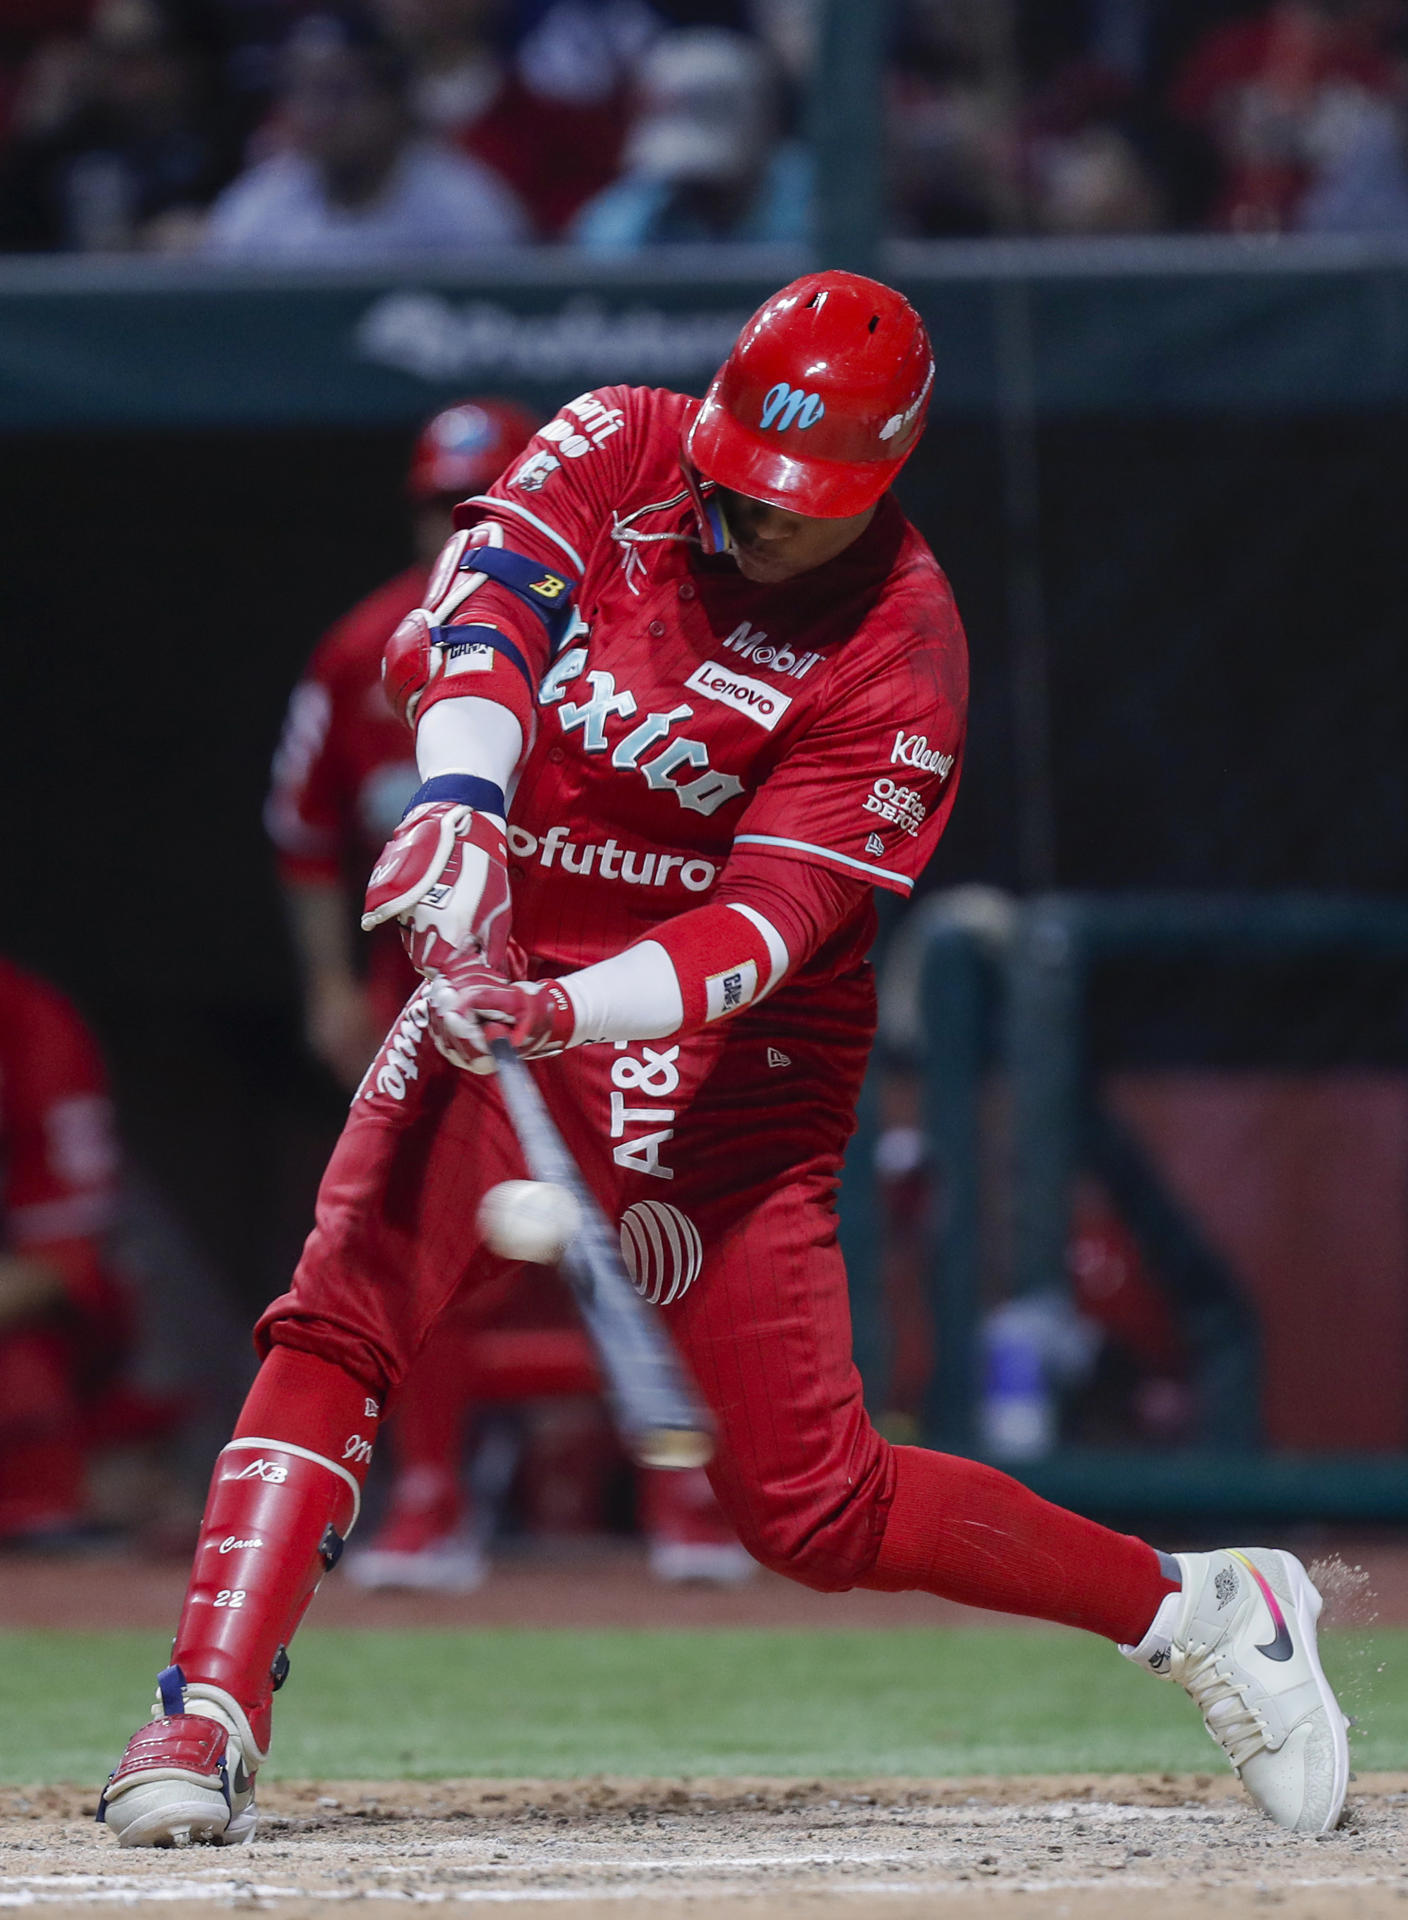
[{"x": 754, "y": 697}]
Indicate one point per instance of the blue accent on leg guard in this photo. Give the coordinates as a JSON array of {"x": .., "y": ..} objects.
[
  {"x": 171, "y": 1685},
  {"x": 463, "y": 790}
]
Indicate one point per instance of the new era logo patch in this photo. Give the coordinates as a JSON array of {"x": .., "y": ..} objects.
[
  {"x": 777, "y": 1058},
  {"x": 875, "y": 844}
]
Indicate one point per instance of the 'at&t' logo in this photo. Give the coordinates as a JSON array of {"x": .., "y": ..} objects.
[{"x": 785, "y": 406}]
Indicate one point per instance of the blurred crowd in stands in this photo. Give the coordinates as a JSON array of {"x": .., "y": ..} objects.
[{"x": 317, "y": 130}]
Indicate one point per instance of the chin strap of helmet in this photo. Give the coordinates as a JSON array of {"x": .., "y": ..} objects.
[{"x": 714, "y": 533}]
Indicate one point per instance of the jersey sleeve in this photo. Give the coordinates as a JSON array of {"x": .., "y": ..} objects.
[
  {"x": 59, "y": 1145},
  {"x": 867, "y": 789},
  {"x": 557, "y": 497},
  {"x": 767, "y": 919},
  {"x": 544, "y": 516},
  {"x": 304, "y": 812}
]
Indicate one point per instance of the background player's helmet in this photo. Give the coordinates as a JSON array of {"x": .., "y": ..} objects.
[
  {"x": 822, "y": 399},
  {"x": 466, "y": 447}
]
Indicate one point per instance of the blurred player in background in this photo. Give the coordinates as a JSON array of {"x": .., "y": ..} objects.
[
  {"x": 343, "y": 776},
  {"x": 63, "y": 1320},
  {"x": 345, "y": 769},
  {"x": 687, "y": 688}
]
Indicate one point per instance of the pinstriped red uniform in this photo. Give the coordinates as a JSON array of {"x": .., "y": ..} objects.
[
  {"x": 698, "y": 710},
  {"x": 691, "y": 711}
]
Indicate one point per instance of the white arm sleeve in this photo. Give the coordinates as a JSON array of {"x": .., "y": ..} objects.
[
  {"x": 472, "y": 736},
  {"x": 634, "y": 995}
]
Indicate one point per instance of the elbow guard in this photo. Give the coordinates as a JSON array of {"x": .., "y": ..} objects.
[
  {"x": 442, "y": 640},
  {"x": 421, "y": 657}
]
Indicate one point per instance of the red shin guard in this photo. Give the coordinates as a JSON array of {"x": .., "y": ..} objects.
[
  {"x": 284, "y": 1497},
  {"x": 967, "y": 1532}
]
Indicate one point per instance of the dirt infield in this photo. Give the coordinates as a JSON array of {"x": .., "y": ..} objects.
[
  {"x": 1108, "y": 1848},
  {"x": 1167, "y": 1848}
]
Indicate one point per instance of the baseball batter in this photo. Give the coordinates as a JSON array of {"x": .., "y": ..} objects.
[
  {"x": 343, "y": 775},
  {"x": 686, "y": 688}
]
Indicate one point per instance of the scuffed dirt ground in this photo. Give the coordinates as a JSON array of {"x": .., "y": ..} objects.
[
  {"x": 1159, "y": 1847},
  {"x": 1108, "y": 1848}
]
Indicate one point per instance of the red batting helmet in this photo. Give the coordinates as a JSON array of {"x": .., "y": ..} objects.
[
  {"x": 822, "y": 399},
  {"x": 465, "y": 448}
]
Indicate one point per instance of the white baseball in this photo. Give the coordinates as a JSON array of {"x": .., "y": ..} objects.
[{"x": 529, "y": 1220}]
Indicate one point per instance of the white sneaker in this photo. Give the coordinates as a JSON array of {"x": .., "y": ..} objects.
[
  {"x": 453, "y": 1564},
  {"x": 705, "y": 1563},
  {"x": 188, "y": 1775},
  {"x": 1240, "y": 1638}
]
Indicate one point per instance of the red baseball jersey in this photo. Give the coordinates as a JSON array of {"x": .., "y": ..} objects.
[
  {"x": 345, "y": 766},
  {"x": 691, "y": 712},
  {"x": 57, "y": 1148},
  {"x": 345, "y": 770}
]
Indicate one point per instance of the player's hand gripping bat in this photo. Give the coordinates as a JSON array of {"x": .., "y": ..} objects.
[{"x": 656, "y": 1408}]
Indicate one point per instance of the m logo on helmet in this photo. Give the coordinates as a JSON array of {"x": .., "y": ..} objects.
[{"x": 785, "y": 406}]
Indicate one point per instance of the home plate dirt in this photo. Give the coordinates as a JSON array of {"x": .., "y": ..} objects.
[{"x": 1156, "y": 1847}]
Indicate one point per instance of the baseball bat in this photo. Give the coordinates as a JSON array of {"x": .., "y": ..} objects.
[{"x": 655, "y": 1406}]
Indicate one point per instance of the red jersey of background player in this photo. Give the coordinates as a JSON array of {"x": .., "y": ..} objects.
[
  {"x": 345, "y": 768},
  {"x": 56, "y": 1138},
  {"x": 693, "y": 711},
  {"x": 62, "y": 1320}
]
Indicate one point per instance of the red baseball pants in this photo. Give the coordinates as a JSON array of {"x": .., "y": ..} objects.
[{"x": 720, "y": 1155}]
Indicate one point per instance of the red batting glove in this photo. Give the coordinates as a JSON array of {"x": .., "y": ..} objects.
[
  {"x": 444, "y": 875},
  {"x": 470, "y": 1005}
]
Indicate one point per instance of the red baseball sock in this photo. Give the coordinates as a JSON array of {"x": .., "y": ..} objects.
[
  {"x": 426, "y": 1434},
  {"x": 308, "y": 1401},
  {"x": 284, "y": 1496},
  {"x": 967, "y": 1532}
]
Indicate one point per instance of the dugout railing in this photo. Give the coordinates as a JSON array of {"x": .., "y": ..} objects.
[{"x": 1006, "y": 994}]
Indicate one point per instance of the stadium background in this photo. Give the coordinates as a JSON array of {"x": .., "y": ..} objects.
[
  {"x": 1219, "y": 449},
  {"x": 1165, "y": 472}
]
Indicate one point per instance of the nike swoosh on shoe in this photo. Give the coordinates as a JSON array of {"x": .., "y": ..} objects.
[{"x": 1280, "y": 1646}]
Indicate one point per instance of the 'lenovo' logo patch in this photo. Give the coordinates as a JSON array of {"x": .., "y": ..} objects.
[{"x": 759, "y": 701}]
